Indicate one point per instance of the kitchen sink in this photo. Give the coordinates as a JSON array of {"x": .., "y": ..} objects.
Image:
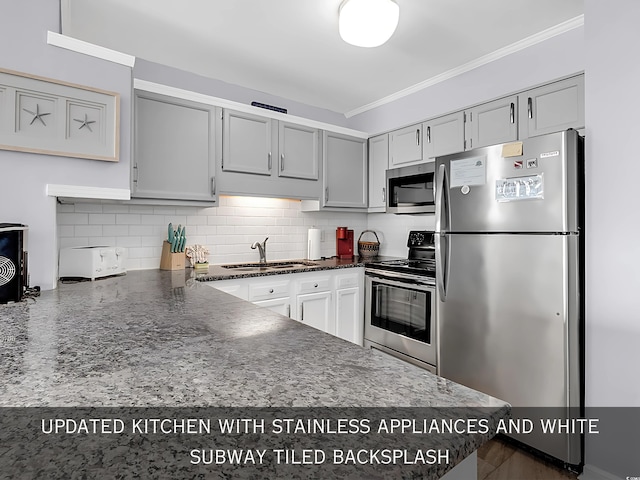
[{"x": 250, "y": 267}]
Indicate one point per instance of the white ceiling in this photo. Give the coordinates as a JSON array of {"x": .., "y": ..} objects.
[{"x": 291, "y": 48}]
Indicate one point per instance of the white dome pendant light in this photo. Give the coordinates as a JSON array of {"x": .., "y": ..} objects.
[{"x": 368, "y": 23}]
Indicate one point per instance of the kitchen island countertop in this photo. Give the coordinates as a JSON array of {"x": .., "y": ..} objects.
[{"x": 162, "y": 339}]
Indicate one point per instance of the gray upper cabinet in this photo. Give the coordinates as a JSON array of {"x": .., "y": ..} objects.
[
  {"x": 267, "y": 157},
  {"x": 344, "y": 170},
  {"x": 247, "y": 143},
  {"x": 491, "y": 123},
  {"x": 552, "y": 108},
  {"x": 378, "y": 165},
  {"x": 298, "y": 151},
  {"x": 405, "y": 146},
  {"x": 174, "y": 149},
  {"x": 443, "y": 135}
]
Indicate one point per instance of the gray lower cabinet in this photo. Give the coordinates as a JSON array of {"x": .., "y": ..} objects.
[
  {"x": 268, "y": 157},
  {"x": 552, "y": 108},
  {"x": 344, "y": 160},
  {"x": 378, "y": 165},
  {"x": 175, "y": 145},
  {"x": 492, "y": 123},
  {"x": 443, "y": 135},
  {"x": 405, "y": 146}
]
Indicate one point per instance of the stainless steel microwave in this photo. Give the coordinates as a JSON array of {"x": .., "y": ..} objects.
[{"x": 411, "y": 189}]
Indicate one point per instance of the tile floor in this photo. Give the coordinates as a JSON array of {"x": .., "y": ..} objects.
[{"x": 500, "y": 460}]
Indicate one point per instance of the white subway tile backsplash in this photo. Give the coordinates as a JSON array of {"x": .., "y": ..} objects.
[
  {"x": 228, "y": 230},
  {"x": 88, "y": 231},
  {"x": 73, "y": 218},
  {"x": 102, "y": 218}
]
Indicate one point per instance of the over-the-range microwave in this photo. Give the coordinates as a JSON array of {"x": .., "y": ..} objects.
[{"x": 411, "y": 189}]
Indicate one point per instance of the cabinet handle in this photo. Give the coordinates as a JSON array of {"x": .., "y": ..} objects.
[
  {"x": 213, "y": 186},
  {"x": 135, "y": 173},
  {"x": 289, "y": 310},
  {"x": 302, "y": 312},
  {"x": 269, "y": 156},
  {"x": 529, "y": 107},
  {"x": 418, "y": 136},
  {"x": 282, "y": 162},
  {"x": 326, "y": 194},
  {"x": 384, "y": 194},
  {"x": 512, "y": 117},
  {"x": 429, "y": 134}
]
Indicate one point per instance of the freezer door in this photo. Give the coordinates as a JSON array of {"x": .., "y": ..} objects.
[
  {"x": 496, "y": 189},
  {"x": 509, "y": 323}
]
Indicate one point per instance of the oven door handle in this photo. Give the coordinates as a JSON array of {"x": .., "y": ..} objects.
[{"x": 400, "y": 282}]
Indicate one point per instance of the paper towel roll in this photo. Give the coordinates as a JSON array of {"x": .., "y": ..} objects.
[{"x": 313, "y": 244}]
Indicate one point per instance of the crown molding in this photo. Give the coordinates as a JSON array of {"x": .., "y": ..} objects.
[
  {"x": 90, "y": 49},
  {"x": 478, "y": 62}
]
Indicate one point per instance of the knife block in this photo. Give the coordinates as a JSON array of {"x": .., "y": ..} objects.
[{"x": 171, "y": 261}]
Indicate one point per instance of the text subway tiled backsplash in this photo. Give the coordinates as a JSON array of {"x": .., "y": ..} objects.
[{"x": 228, "y": 230}]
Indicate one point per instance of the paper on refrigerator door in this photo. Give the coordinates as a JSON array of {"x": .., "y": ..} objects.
[{"x": 468, "y": 171}]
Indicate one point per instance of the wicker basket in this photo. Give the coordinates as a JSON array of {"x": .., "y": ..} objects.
[{"x": 368, "y": 249}]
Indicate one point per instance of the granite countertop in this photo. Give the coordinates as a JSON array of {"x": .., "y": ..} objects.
[
  {"x": 219, "y": 272},
  {"x": 162, "y": 339}
]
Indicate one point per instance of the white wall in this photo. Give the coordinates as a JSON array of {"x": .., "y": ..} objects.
[
  {"x": 23, "y": 33},
  {"x": 613, "y": 252}
]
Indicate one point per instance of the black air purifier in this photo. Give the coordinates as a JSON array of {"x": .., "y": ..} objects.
[{"x": 13, "y": 262}]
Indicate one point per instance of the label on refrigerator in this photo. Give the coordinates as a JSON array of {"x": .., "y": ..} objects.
[
  {"x": 469, "y": 171},
  {"x": 520, "y": 188}
]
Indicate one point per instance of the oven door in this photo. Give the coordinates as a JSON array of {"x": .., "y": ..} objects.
[{"x": 400, "y": 318}]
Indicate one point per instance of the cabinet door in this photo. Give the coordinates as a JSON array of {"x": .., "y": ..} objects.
[
  {"x": 299, "y": 151},
  {"x": 345, "y": 170},
  {"x": 443, "y": 135},
  {"x": 378, "y": 165},
  {"x": 491, "y": 123},
  {"x": 349, "y": 321},
  {"x": 405, "y": 146},
  {"x": 278, "y": 305},
  {"x": 314, "y": 309},
  {"x": 552, "y": 108},
  {"x": 247, "y": 143},
  {"x": 174, "y": 155}
]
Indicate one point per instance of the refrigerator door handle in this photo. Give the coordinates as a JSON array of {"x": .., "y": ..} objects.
[
  {"x": 442, "y": 264},
  {"x": 442, "y": 210}
]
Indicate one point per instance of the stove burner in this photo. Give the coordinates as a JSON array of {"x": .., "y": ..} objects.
[{"x": 421, "y": 259}]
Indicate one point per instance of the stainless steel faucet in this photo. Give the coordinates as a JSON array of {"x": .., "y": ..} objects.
[{"x": 262, "y": 248}]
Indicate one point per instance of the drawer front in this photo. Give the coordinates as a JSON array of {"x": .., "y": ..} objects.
[
  {"x": 314, "y": 285},
  {"x": 347, "y": 281},
  {"x": 268, "y": 290}
]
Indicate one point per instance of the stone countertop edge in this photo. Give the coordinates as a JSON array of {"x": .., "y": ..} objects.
[
  {"x": 219, "y": 272},
  {"x": 154, "y": 338}
]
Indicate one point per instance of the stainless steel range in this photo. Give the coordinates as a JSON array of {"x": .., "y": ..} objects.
[{"x": 400, "y": 303}]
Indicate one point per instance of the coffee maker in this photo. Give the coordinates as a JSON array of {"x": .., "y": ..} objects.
[
  {"x": 13, "y": 262},
  {"x": 344, "y": 243}
]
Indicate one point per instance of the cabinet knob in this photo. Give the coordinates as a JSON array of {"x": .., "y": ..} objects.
[
  {"x": 315, "y": 285},
  {"x": 271, "y": 290}
]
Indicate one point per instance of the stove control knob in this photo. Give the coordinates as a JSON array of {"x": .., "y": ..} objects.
[{"x": 416, "y": 238}]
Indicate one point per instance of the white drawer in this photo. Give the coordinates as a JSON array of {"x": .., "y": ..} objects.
[
  {"x": 317, "y": 284},
  {"x": 346, "y": 281},
  {"x": 268, "y": 290}
]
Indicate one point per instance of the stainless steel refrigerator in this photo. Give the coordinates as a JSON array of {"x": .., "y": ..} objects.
[{"x": 509, "y": 253}]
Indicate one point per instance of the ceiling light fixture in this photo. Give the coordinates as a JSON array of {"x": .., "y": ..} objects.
[{"x": 368, "y": 23}]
